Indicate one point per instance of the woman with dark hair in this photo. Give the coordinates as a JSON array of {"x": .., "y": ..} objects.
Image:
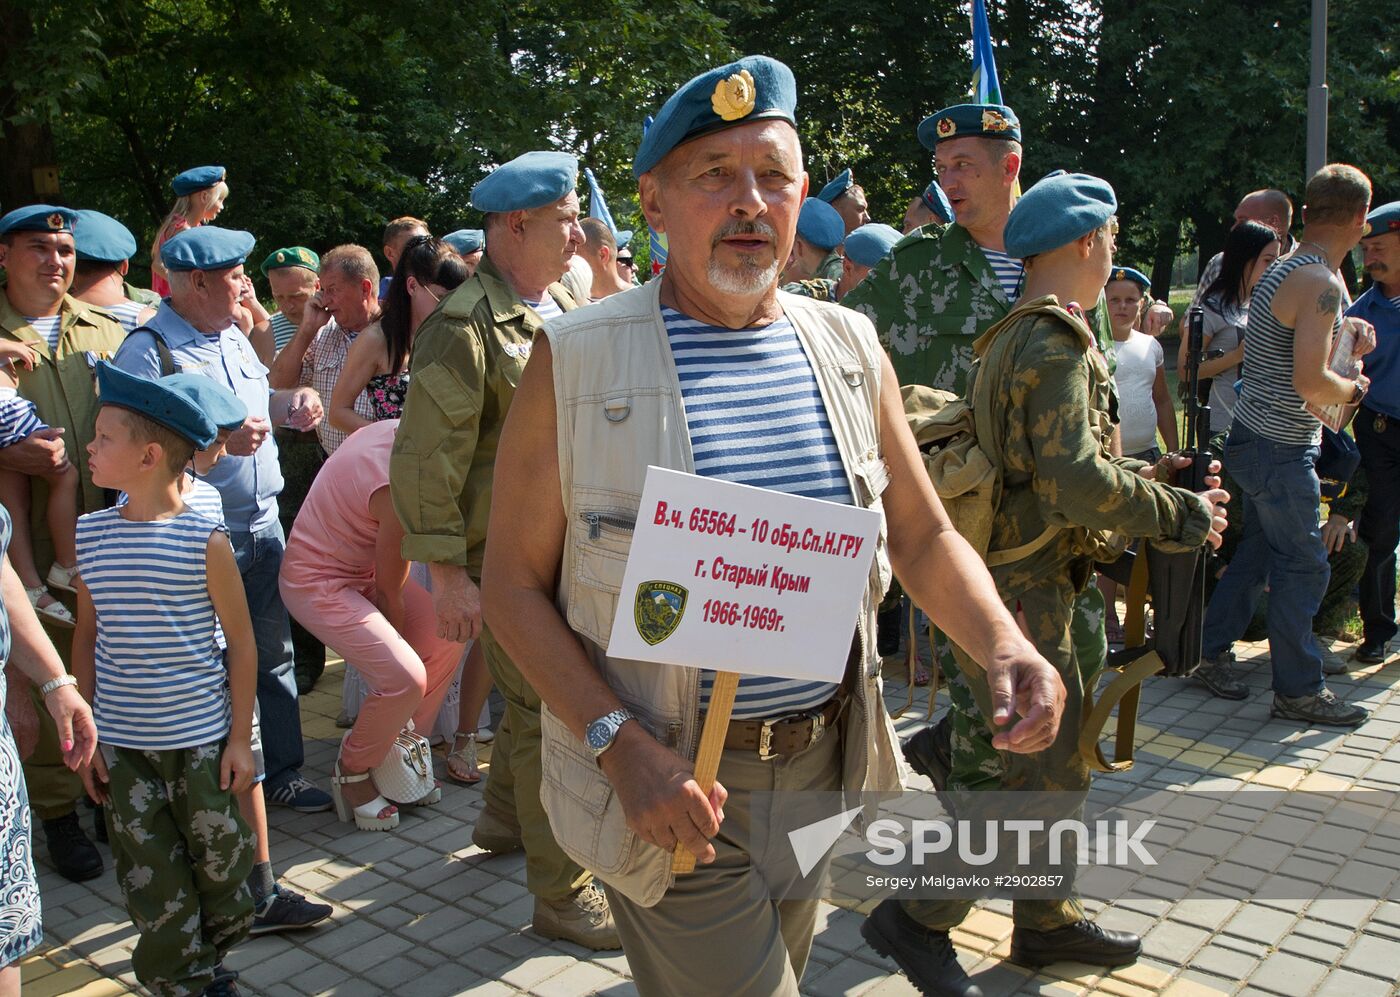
[
  {"x": 1249, "y": 250},
  {"x": 377, "y": 362}
]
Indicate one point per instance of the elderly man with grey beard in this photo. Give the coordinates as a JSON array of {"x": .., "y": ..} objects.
[{"x": 727, "y": 377}]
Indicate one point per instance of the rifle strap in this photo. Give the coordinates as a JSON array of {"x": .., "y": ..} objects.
[{"x": 1125, "y": 688}]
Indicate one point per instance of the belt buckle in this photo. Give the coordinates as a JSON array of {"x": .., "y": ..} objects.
[{"x": 765, "y": 740}]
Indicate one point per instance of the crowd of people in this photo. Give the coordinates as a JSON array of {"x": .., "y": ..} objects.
[{"x": 434, "y": 474}]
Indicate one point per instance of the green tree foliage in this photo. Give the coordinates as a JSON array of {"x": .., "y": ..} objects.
[{"x": 336, "y": 116}]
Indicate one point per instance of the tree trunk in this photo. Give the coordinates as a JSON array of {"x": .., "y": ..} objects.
[
  {"x": 1163, "y": 256},
  {"x": 23, "y": 147}
]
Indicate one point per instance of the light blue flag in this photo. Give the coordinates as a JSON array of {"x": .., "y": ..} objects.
[
  {"x": 658, "y": 239},
  {"x": 986, "y": 88},
  {"x": 597, "y": 207}
]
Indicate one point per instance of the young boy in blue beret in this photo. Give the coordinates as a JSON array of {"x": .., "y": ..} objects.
[{"x": 164, "y": 651}]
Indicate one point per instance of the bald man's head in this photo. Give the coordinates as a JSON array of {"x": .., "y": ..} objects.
[{"x": 1268, "y": 207}]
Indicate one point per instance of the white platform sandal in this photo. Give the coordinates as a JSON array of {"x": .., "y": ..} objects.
[
  {"x": 55, "y": 612},
  {"x": 367, "y": 816}
]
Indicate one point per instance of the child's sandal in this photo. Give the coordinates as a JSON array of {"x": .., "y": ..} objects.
[
  {"x": 61, "y": 578},
  {"x": 53, "y": 610}
]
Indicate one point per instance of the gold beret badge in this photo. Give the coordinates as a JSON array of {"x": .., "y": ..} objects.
[
  {"x": 946, "y": 127},
  {"x": 995, "y": 121},
  {"x": 734, "y": 97},
  {"x": 56, "y": 222}
]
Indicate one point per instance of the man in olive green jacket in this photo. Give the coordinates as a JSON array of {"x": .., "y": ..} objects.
[{"x": 467, "y": 360}]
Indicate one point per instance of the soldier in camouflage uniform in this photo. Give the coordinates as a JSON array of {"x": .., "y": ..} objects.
[
  {"x": 929, "y": 208},
  {"x": 1052, "y": 441},
  {"x": 864, "y": 248},
  {"x": 820, "y": 231}
]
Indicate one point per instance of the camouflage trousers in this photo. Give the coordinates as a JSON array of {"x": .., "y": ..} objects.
[
  {"x": 1067, "y": 627},
  {"x": 183, "y": 855}
]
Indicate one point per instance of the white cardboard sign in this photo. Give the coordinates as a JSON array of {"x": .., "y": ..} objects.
[{"x": 742, "y": 579}]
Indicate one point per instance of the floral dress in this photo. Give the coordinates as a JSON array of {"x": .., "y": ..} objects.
[
  {"x": 386, "y": 393},
  {"x": 21, "y": 929}
]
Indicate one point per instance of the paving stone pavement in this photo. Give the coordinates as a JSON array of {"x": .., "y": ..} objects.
[{"x": 424, "y": 912}]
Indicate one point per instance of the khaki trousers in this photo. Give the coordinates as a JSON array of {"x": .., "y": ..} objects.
[{"x": 714, "y": 932}]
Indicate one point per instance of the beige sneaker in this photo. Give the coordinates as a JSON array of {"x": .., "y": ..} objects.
[
  {"x": 582, "y": 918},
  {"x": 496, "y": 833}
]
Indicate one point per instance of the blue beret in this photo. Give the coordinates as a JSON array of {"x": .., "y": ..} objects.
[
  {"x": 837, "y": 187},
  {"x": 102, "y": 239},
  {"x": 755, "y": 88},
  {"x": 820, "y": 224},
  {"x": 198, "y": 178},
  {"x": 156, "y": 402},
  {"x": 529, "y": 181},
  {"x": 291, "y": 256},
  {"x": 206, "y": 247},
  {"x": 868, "y": 244},
  {"x": 39, "y": 218},
  {"x": 467, "y": 240},
  {"x": 962, "y": 120},
  {"x": 224, "y": 409},
  {"x": 1384, "y": 219},
  {"x": 1136, "y": 276},
  {"x": 623, "y": 238},
  {"x": 937, "y": 203},
  {"x": 1056, "y": 211}
]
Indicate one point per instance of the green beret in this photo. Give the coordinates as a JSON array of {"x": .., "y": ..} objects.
[
  {"x": 1136, "y": 276},
  {"x": 1059, "y": 209},
  {"x": 39, "y": 218},
  {"x": 291, "y": 256},
  {"x": 754, "y": 88},
  {"x": 529, "y": 181},
  {"x": 962, "y": 120},
  {"x": 843, "y": 182},
  {"x": 820, "y": 224},
  {"x": 206, "y": 247},
  {"x": 156, "y": 402},
  {"x": 1384, "y": 219}
]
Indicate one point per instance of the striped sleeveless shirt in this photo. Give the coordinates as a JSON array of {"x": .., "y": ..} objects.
[
  {"x": 756, "y": 417},
  {"x": 161, "y": 680},
  {"x": 1269, "y": 405}
]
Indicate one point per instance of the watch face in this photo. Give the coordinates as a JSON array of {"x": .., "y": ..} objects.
[{"x": 599, "y": 734}]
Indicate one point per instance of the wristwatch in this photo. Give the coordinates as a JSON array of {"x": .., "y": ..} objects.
[
  {"x": 54, "y": 684},
  {"x": 603, "y": 732},
  {"x": 1358, "y": 393}
]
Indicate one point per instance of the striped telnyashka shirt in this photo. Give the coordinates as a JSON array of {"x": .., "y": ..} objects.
[
  {"x": 1269, "y": 404},
  {"x": 756, "y": 417},
  {"x": 161, "y": 680},
  {"x": 1008, "y": 270}
]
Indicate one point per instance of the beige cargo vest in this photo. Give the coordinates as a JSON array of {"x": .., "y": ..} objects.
[{"x": 620, "y": 410}]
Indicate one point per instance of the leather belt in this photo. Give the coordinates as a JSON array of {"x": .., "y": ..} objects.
[{"x": 785, "y": 735}]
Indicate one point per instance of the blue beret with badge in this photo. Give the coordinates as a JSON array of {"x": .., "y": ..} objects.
[
  {"x": 156, "y": 402},
  {"x": 199, "y": 178},
  {"x": 100, "y": 238},
  {"x": 38, "y": 218},
  {"x": 206, "y": 247},
  {"x": 224, "y": 409},
  {"x": 1136, "y": 276},
  {"x": 962, "y": 120},
  {"x": 843, "y": 182},
  {"x": 529, "y": 181},
  {"x": 868, "y": 244},
  {"x": 937, "y": 203},
  {"x": 1060, "y": 208},
  {"x": 291, "y": 256},
  {"x": 1384, "y": 219},
  {"x": 466, "y": 240},
  {"x": 820, "y": 224},
  {"x": 754, "y": 88}
]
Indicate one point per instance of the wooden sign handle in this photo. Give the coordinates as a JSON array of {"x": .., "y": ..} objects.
[{"x": 711, "y": 747}]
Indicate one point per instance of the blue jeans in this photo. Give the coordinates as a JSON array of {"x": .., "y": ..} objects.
[
  {"x": 1282, "y": 545},
  {"x": 259, "y": 557}
]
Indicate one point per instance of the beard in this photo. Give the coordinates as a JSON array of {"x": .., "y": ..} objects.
[{"x": 750, "y": 276}]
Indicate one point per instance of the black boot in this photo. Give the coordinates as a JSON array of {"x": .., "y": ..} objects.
[
  {"x": 926, "y": 957},
  {"x": 1373, "y": 652},
  {"x": 73, "y": 855},
  {"x": 1083, "y": 941},
  {"x": 930, "y": 752}
]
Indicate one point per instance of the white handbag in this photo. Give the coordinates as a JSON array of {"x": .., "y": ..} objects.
[{"x": 406, "y": 774}]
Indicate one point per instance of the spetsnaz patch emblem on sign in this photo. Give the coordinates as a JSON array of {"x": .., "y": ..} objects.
[{"x": 658, "y": 609}]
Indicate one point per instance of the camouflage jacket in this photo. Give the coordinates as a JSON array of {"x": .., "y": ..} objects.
[
  {"x": 829, "y": 268},
  {"x": 822, "y": 289},
  {"x": 931, "y": 297},
  {"x": 1053, "y": 446}
]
